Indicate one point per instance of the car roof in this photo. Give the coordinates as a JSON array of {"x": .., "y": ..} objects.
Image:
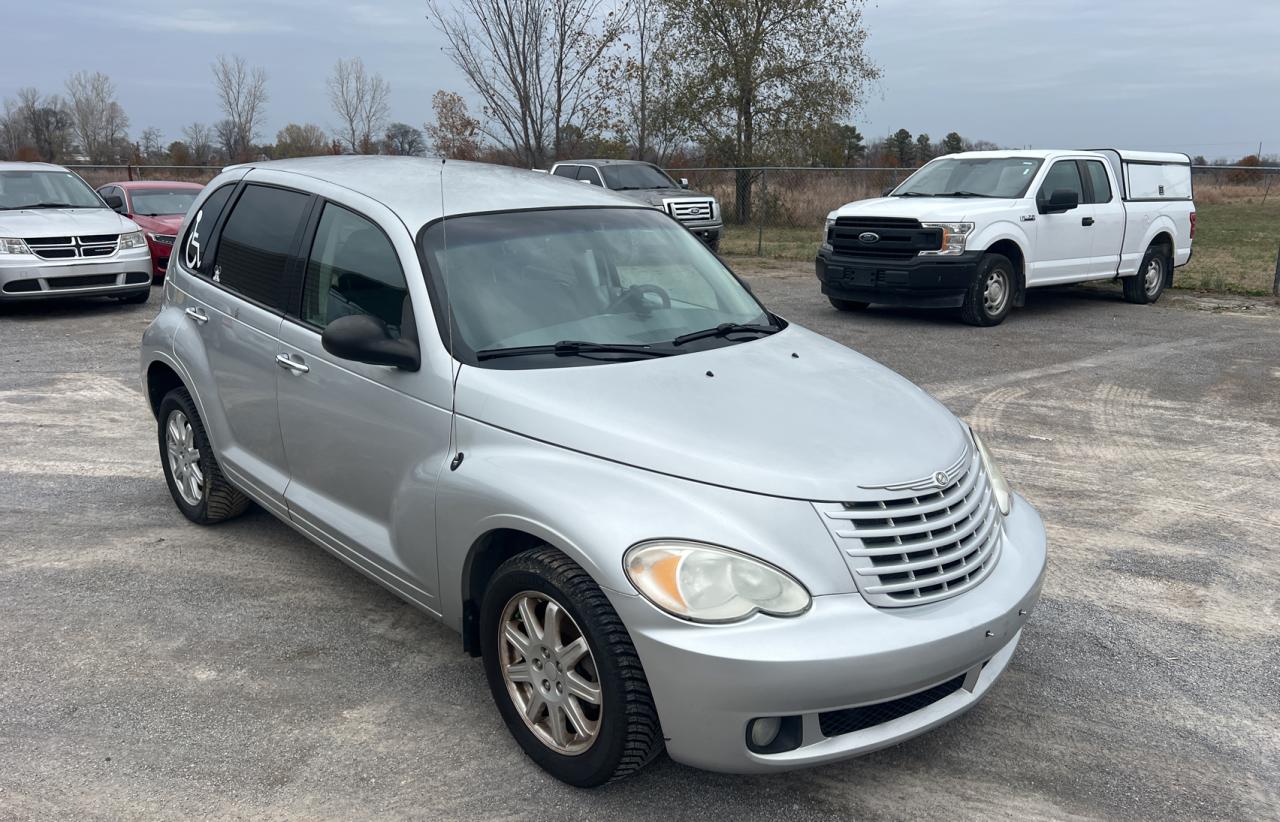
[
  {"x": 411, "y": 186},
  {"x": 1047, "y": 153},
  {"x": 134, "y": 185},
  {"x": 15, "y": 166},
  {"x": 603, "y": 163}
]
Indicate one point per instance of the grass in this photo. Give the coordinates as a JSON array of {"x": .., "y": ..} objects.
[{"x": 1234, "y": 251}]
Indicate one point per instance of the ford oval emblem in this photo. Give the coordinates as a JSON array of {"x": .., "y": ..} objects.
[{"x": 868, "y": 237}]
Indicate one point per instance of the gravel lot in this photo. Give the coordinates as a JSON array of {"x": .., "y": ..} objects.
[{"x": 150, "y": 668}]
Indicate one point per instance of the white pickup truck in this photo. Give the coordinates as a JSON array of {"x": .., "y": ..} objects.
[{"x": 975, "y": 230}]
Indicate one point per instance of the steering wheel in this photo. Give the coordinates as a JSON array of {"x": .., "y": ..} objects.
[{"x": 637, "y": 291}]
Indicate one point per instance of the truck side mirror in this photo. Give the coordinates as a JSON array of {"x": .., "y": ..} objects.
[{"x": 1060, "y": 200}]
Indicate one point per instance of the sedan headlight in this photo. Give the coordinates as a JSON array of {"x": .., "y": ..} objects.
[
  {"x": 705, "y": 583},
  {"x": 162, "y": 239},
  {"x": 13, "y": 245},
  {"x": 999, "y": 485},
  {"x": 953, "y": 238},
  {"x": 134, "y": 239}
]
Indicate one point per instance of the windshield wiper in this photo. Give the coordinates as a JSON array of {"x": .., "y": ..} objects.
[
  {"x": 968, "y": 194},
  {"x": 724, "y": 330},
  {"x": 913, "y": 194},
  {"x": 570, "y": 348},
  {"x": 57, "y": 205}
]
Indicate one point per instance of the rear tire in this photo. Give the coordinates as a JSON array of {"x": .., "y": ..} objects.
[
  {"x": 623, "y": 732},
  {"x": 847, "y": 305},
  {"x": 137, "y": 298},
  {"x": 196, "y": 482},
  {"x": 990, "y": 294},
  {"x": 1148, "y": 284}
]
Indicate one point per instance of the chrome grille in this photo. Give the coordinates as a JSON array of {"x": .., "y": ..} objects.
[
  {"x": 69, "y": 248},
  {"x": 691, "y": 211},
  {"x": 922, "y": 541}
]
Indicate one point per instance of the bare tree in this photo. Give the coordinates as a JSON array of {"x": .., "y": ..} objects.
[
  {"x": 404, "y": 140},
  {"x": 243, "y": 95},
  {"x": 13, "y": 131},
  {"x": 360, "y": 99},
  {"x": 46, "y": 121},
  {"x": 455, "y": 133},
  {"x": 100, "y": 124},
  {"x": 535, "y": 65},
  {"x": 199, "y": 138},
  {"x": 151, "y": 145}
]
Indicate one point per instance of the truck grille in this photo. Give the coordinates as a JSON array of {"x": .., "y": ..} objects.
[
  {"x": 896, "y": 238},
  {"x": 924, "y": 540},
  {"x": 691, "y": 211},
  {"x": 71, "y": 248}
]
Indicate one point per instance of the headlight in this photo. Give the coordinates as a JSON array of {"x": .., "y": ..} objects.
[
  {"x": 826, "y": 231},
  {"x": 133, "y": 239},
  {"x": 999, "y": 485},
  {"x": 953, "y": 238},
  {"x": 703, "y": 583},
  {"x": 13, "y": 245},
  {"x": 162, "y": 239}
]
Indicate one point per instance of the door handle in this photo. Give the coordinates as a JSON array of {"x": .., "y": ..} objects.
[
  {"x": 198, "y": 315},
  {"x": 296, "y": 366},
  {"x": 1086, "y": 221}
]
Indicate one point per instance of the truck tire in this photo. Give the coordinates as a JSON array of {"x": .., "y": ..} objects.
[
  {"x": 990, "y": 294},
  {"x": 196, "y": 482},
  {"x": 1148, "y": 284},
  {"x": 570, "y": 687},
  {"x": 847, "y": 305}
]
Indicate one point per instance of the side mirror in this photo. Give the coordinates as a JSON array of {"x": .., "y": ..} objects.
[
  {"x": 115, "y": 203},
  {"x": 1059, "y": 201},
  {"x": 364, "y": 338},
  {"x": 684, "y": 182}
]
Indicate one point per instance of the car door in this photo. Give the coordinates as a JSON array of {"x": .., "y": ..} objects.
[
  {"x": 241, "y": 277},
  {"x": 1108, "y": 219},
  {"x": 1064, "y": 241},
  {"x": 365, "y": 443}
]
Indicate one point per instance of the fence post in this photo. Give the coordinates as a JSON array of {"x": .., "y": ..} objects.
[
  {"x": 128, "y": 170},
  {"x": 1275, "y": 285},
  {"x": 764, "y": 203}
]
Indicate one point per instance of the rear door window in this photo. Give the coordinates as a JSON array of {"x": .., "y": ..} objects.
[
  {"x": 257, "y": 243},
  {"x": 1063, "y": 175},
  {"x": 1098, "y": 181},
  {"x": 352, "y": 269},
  {"x": 197, "y": 244}
]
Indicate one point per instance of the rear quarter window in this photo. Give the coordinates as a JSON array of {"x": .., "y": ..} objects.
[
  {"x": 196, "y": 248},
  {"x": 257, "y": 243}
]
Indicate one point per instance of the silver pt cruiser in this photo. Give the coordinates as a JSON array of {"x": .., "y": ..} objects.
[{"x": 661, "y": 514}]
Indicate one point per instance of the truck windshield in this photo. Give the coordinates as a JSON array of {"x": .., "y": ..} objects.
[
  {"x": 538, "y": 289},
  {"x": 45, "y": 189},
  {"x": 1005, "y": 177},
  {"x": 630, "y": 176}
]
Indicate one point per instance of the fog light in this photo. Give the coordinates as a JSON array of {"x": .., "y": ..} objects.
[{"x": 764, "y": 731}]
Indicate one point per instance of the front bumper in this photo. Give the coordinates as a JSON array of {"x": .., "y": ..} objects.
[
  {"x": 709, "y": 233},
  {"x": 27, "y": 277},
  {"x": 709, "y": 681},
  {"x": 920, "y": 282}
]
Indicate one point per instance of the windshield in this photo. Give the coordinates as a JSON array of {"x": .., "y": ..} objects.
[
  {"x": 1006, "y": 177},
  {"x": 45, "y": 189},
  {"x": 633, "y": 176},
  {"x": 615, "y": 276},
  {"x": 154, "y": 202}
]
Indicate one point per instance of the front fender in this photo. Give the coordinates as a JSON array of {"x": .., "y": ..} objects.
[
  {"x": 1005, "y": 230},
  {"x": 594, "y": 510}
]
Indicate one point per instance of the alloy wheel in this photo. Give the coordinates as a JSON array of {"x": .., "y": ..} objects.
[
  {"x": 184, "y": 458},
  {"x": 550, "y": 673}
]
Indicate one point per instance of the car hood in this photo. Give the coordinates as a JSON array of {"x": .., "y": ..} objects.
[
  {"x": 925, "y": 209},
  {"x": 61, "y": 222},
  {"x": 655, "y": 196},
  {"x": 791, "y": 415},
  {"x": 161, "y": 223}
]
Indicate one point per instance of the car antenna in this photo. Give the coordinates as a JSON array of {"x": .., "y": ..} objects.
[{"x": 455, "y": 367}]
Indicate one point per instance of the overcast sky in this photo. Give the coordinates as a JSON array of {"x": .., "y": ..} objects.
[{"x": 1148, "y": 74}]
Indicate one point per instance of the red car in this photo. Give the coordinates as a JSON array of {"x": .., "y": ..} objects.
[{"x": 158, "y": 208}]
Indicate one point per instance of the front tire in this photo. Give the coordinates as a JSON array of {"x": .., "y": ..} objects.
[
  {"x": 195, "y": 480},
  {"x": 1148, "y": 284},
  {"x": 564, "y": 673},
  {"x": 990, "y": 294},
  {"x": 847, "y": 305}
]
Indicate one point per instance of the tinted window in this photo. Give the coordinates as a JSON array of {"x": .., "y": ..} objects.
[
  {"x": 254, "y": 247},
  {"x": 1063, "y": 176},
  {"x": 589, "y": 174},
  {"x": 353, "y": 269},
  {"x": 197, "y": 253},
  {"x": 567, "y": 171},
  {"x": 1098, "y": 177}
]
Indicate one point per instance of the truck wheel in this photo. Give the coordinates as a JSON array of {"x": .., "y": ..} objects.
[
  {"x": 990, "y": 294},
  {"x": 195, "y": 481},
  {"x": 563, "y": 672},
  {"x": 1148, "y": 284},
  {"x": 847, "y": 305}
]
